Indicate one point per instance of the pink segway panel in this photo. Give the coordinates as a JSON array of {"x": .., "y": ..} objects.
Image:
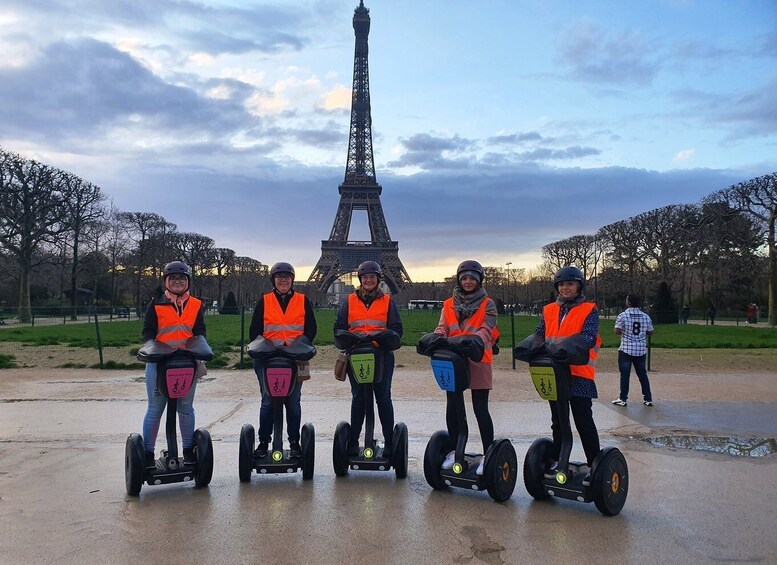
[
  {"x": 179, "y": 381},
  {"x": 279, "y": 380}
]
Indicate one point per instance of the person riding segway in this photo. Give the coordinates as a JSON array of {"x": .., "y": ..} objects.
[
  {"x": 282, "y": 317},
  {"x": 562, "y": 356},
  {"x": 461, "y": 349},
  {"x": 174, "y": 351},
  {"x": 368, "y": 328}
]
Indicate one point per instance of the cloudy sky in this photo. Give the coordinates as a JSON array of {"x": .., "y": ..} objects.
[{"x": 499, "y": 125}]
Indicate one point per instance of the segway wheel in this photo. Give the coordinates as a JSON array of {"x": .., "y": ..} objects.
[
  {"x": 308, "y": 451},
  {"x": 433, "y": 458},
  {"x": 400, "y": 450},
  {"x": 134, "y": 464},
  {"x": 610, "y": 482},
  {"x": 538, "y": 457},
  {"x": 203, "y": 447},
  {"x": 246, "y": 460},
  {"x": 340, "y": 449},
  {"x": 501, "y": 470}
]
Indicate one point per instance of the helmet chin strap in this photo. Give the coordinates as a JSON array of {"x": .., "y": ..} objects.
[{"x": 179, "y": 294}]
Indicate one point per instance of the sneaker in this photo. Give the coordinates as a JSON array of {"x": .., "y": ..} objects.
[
  {"x": 648, "y": 403},
  {"x": 587, "y": 480},
  {"x": 480, "y": 466},
  {"x": 188, "y": 456},
  {"x": 387, "y": 453},
  {"x": 353, "y": 448},
  {"x": 550, "y": 472},
  {"x": 261, "y": 451},
  {"x": 619, "y": 402},
  {"x": 150, "y": 461},
  {"x": 450, "y": 459},
  {"x": 294, "y": 449}
]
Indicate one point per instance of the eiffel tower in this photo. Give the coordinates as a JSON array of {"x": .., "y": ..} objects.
[{"x": 360, "y": 190}]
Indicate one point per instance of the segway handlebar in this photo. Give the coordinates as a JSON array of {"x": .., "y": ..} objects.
[
  {"x": 154, "y": 351},
  {"x": 572, "y": 350},
  {"x": 467, "y": 346},
  {"x": 388, "y": 340},
  {"x": 301, "y": 349}
]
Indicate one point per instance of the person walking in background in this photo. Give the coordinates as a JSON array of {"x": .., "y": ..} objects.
[
  {"x": 685, "y": 313},
  {"x": 633, "y": 325},
  {"x": 711, "y": 313}
]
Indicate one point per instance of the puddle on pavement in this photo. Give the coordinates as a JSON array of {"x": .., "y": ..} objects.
[{"x": 742, "y": 447}]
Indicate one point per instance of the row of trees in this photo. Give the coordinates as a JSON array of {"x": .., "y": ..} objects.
[
  {"x": 62, "y": 228},
  {"x": 717, "y": 253}
]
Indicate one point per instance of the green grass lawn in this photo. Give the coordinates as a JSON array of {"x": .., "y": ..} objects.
[{"x": 224, "y": 333}]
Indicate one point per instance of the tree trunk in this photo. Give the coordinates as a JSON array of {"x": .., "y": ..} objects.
[
  {"x": 772, "y": 273},
  {"x": 25, "y": 311}
]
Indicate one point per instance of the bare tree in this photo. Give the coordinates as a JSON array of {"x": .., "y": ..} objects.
[
  {"x": 142, "y": 227},
  {"x": 758, "y": 198},
  {"x": 31, "y": 213},
  {"x": 83, "y": 206},
  {"x": 223, "y": 264},
  {"x": 196, "y": 250}
]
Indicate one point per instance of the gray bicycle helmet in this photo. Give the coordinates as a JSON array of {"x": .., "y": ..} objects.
[
  {"x": 281, "y": 267},
  {"x": 368, "y": 267},
  {"x": 471, "y": 268}
]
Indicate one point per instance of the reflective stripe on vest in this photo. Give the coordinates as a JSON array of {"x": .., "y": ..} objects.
[
  {"x": 470, "y": 326},
  {"x": 367, "y": 321},
  {"x": 572, "y": 324},
  {"x": 175, "y": 330},
  {"x": 284, "y": 327}
]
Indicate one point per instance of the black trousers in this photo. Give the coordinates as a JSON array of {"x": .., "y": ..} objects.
[
  {"x": 483, "y": 416},
  {"x": 582, "y": 412}
]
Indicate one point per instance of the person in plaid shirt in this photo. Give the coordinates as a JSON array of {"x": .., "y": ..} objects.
[{"x": 633, "y": 325}]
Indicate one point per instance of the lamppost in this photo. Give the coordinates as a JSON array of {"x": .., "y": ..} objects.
[{"x": 509, "y": 297}]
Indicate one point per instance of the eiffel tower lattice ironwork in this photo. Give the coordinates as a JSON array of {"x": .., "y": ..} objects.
[{"x": 360, "y": 190}]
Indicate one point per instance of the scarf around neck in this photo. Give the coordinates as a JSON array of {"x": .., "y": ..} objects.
[
  {"x": 467, "y": 304},
  {"x": 567, "y": 303},
  {"x": 177, "y": 301}
]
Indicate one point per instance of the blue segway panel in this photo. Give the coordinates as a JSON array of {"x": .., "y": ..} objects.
[
  {"x": 444, "y": 374},
  {"x": 451, "y": 371}
]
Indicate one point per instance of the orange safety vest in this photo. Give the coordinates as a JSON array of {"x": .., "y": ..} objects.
[
  {"x": 572, "y": 324},
  {"x": 284, "y": 327},
  {"x": 174, "y": 329},
  {"x": 367, "y": 321},
  {"x": 470, "y": 326}
]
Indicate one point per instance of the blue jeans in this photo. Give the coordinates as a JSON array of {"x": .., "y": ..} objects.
[
  {"x": 156, "y": 406},
  {"x": 291, "y": 404},
  {"x": 625, "y": 361},
  {"x": 382, "y": 392}
]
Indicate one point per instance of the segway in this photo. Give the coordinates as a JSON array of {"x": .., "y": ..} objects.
[
  {"x": 365, "y": 364},
  {"x": 450, "y": 365},
  {"x": 279, "y": 379},
  {"x": 175, "y": 375},
  {"x": 606, "y": 483}
]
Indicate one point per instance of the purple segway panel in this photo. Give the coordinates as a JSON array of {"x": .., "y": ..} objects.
[
  {"x": 279, "y": 380},
  {"x": 179, "y": 381},
  {"x": 445, "y": 374}
]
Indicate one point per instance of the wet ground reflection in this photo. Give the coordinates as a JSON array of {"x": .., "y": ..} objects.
[{"x": 743, "y": 447}]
